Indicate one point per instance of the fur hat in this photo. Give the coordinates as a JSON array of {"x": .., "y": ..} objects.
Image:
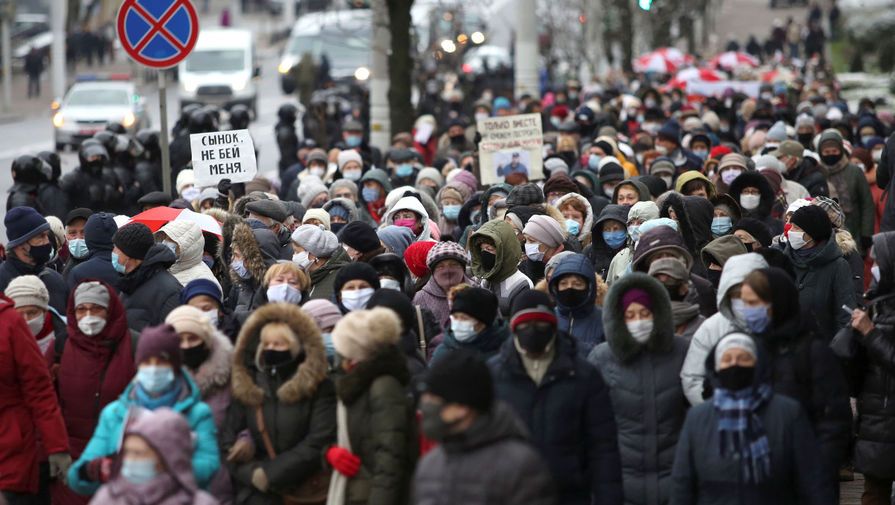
[{"x": 361, "y": 333}]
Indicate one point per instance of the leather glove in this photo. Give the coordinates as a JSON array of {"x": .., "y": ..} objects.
[
  {"x": 343, "y": 461},
  {"x": 59, "y": 464},
  {"x": 96, "y": 470},
  {"x": 259, "y": 480},
  {"x": 224, "y": 186},
  {"x": 242, "y": 451}
]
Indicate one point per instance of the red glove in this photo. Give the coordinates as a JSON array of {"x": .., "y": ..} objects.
[
  {"x": 343, "y": 461},
  {"x": 97, "y": 470}
]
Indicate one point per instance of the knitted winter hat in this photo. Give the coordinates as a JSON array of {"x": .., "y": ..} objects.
[
  {"x": 310, "y": 188},
  {"x": 318, "y": 214},
  {"x": 201, "y": 287},
  {"x": 396, "y": 238},
  {"x": 814, "y": 221},
  {"x": 637, "y": 296},
  {"x": 445, "y": 250},
  {"x": 734, "y": 341},
  {"x": 361, "y": 236},
  {"x": 532, "y": 305},
  {"x": 416, "y": 255},
  {"x": 462, "y": 377},
  {"x": 189, "y": 319},
  {"x": 91, "y": 292},
  {"x": 545, "y": 230},
  {"x": 525, "y": 194},
  {"x": 479, "y": 303},
  {"x": 325, "y": 313},
  {"x": 316, "y": 240},
  {"x": 28, "y": 290},
  {"x": 347, "y": 156},
  {"x": 134, "y": 240},
  {"x": 342, "y": 183},
  {"x": 22, "y": 224},
  {"x": 560, "y": 183},
  {"x": 160, "y": 341},
  {"x": 354, "y": 271}
]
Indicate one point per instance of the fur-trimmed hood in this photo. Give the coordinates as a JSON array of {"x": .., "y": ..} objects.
[
  {"x": 585, "y": 228},
  {"x": 214, "y": 372},
  {"x": 620, "y": 341},
  {"x": 259, "y": 247},
  {"x": 303, "y": 383},
  {"x": 346, "y": 204},
  {"x": 760, "y": 182}
]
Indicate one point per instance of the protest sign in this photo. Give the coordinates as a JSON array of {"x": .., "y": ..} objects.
[
  {"x": 717, "y": 88},
  {"x": 510, "y": 144},
  {"x": 223, "y": 155}
]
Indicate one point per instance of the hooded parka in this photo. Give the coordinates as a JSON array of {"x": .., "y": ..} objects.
[
  {"x": 504, "y": 279},
  {"x": 583, "y": 322},
  {"x": 189, "y": 265}
]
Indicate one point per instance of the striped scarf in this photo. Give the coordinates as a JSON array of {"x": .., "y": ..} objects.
[{"x": 741, "y": 431}]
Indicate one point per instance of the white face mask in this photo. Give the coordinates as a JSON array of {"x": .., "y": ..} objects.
[
  {"x": 352, "y": 175},
  {"x": 213, "y": 316},
  {"x": 640, "y": 330},
  {"x": 609, "y": 192},
  {"x": 750, "y": 202},
  {"x": 532, "y": 252},
  {"x": 662, "y": 150},
  {"x": 729, "y": 175},
  {"x": 91, "y": 325},
  {"x": 191, "y": 193},
  {"x": 283, "y": 293},
  {"x": 37, "y": 324},
  {"x": 316, "y": 171},
  {"x": 797, "y": 239},
  {"x": 737, "y": 306},
  {"x": 481, "y": 115},
  {"x": 390, "y": 284},
  {"x": 302, "y": 260},
  {"x": 356, "y": 299},
  {"x": 463, "y": 330}
]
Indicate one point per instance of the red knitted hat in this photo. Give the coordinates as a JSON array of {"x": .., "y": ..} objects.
[
  {"x": 415, "y": 257},
  {"x": 719, "y": 151}
]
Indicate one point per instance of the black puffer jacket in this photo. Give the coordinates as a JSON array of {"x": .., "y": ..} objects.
[
  {"x": 570, "y": 419},
  {"x": 599, "y": 252},
  {"x": 462, "y": 470},
  {"x": 645, "y": 384},
  {"x": 99, "y": 190},
  {"x": 297, "y": 401},
  {"x": 875, "y": 449},
  {"x": 803, "y": 367},
  {"x": 808, "y": 174},
  {"x": 766, "y": 202},
  {"x": 149, "y": 291},
  {"x": 694, "y": 217}
]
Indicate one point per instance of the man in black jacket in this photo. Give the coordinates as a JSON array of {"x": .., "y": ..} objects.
[
  {"x": 28, "y": 250},
  {"x": 563, "y": 401},
  {"x": 800, "y": 169}
]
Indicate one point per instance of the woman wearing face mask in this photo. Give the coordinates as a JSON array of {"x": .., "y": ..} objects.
[
  {"x": 286, "y": 282},
  {"x": 640, "y": 362},
  {"x": 822, "y": 274},
  {"x": 640, "y": 213},
  {"x": 206, "y": 356},
  {"x": 609, "y": 237},
  {"x": 447, "y": 261},
  {"x": 451, "y": 199},
  {"x": 155, "y": 464},
  {"x": 573, "y": 286},
  {"x": 393, "y": 273},
  {"x": 494, "y": 256},
  {"x": 726, "y": 215},
  {"x": 747, "y": 444},
  {"x": 283, "y": 398},
  {"x": 579, "y": 216},
  {"x": 32, "y": 301},
  {"x": 206, "y": 296},
  {"x": 375, "y": 449},
  {"x": 756, "y": 198},
  {"x": 341, "y": 212},
  {"x": 318, "y": 252},
  {"x": 544, "y": 238},
  {"x": 161, "y": 381},
  {"x": 731, "y": 166},
  {"x": 410, "y": 213},
  {"x": 474, "y": 324},
  {"x": 97, "y": 363},
  {"x": 253, "y": 251},
  {"x": 186, "y": 241},
  {"x": 354, "y": 285}
]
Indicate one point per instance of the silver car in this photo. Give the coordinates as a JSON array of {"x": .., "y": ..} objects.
[{"x": 89, "y": 106}]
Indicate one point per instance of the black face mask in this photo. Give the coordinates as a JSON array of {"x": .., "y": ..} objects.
[
  {"x": 274, "y": 358},
  {"x": 831, "y": 159},
  {"x": 714, "y": 276},
  {"x": 750, "y": 246},
  {"x": 805, "y": 139},
  {"x": 571, "y": 297},
  {"x": 459, "y": 139},
  {"x": 674, "y": 292},
  {"x": 488, "y": 260},
  {"x": 534, "y": 339},
  {"x": 337, "y": 227},
  {"x": 736, "y": 377},
  {"x": 41, "y": 254},
  {"x": 195, "y": 356},
  {"x": 432, "y": 425}
]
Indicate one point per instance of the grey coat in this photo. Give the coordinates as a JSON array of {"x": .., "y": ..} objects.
[{"x": 645, "y": 386}]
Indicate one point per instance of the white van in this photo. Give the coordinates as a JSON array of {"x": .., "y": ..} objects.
[{"x": 221, "y": 70}]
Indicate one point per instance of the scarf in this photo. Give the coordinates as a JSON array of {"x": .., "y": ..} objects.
[
  {"x": 166, "y": 399},
  {"x": 683, "y": 312},
  {"x": 741, "y": 430},
  {"x": 376, "y": 209},
  {"x": 839, "y": 185}
]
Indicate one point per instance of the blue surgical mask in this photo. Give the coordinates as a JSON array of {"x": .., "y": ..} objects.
[
  {"x": 241, "y": 270},
  {"x": 78, "y": 248},
  {"x": 404, "y": 170},
  {"x": 370, "y": 194},
  {"x": 451, "y": 211},
  {"x": 593, "y": 161},
  {"x": 172, "y": 246},
  {"x": 701, "y": 154},
  {"x": 721, "y": 225},
  {"x": 615, "y": 239},
  {"x": 634, "y": 232},
  {"x": 138, "y": 471},
  {"x": 116, "y": 265},
  {"x": 866, "y": 139},
  {"x": 757, "y": 318},
  {"x": 209, "y": 262},
  {"x": 155, "y": 379},
  {"x": 573, "y": 227},
  {"x": 353, "y": 141}
]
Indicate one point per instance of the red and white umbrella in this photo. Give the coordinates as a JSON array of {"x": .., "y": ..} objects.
[
  {"x": 686, "y": 75},
  {"x": 157, "y": 217},
  {"x": 734, "y": 59},
  {"x": 665, "y": 60}
]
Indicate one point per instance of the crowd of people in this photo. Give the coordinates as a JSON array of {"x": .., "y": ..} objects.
[{"x": 679, "y": 311}]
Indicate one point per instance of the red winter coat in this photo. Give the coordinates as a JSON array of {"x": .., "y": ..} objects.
[
  {"x": 27, "y": 404},
  {"x": 94, "y": 371}
]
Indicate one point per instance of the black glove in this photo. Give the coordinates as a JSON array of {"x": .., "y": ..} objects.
[
  {"x": 224, "y": 186},
  {"x": 866, "y": 243}
]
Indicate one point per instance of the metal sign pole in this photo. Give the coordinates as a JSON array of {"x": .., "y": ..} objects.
[{"x": 163, "y": 131}]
